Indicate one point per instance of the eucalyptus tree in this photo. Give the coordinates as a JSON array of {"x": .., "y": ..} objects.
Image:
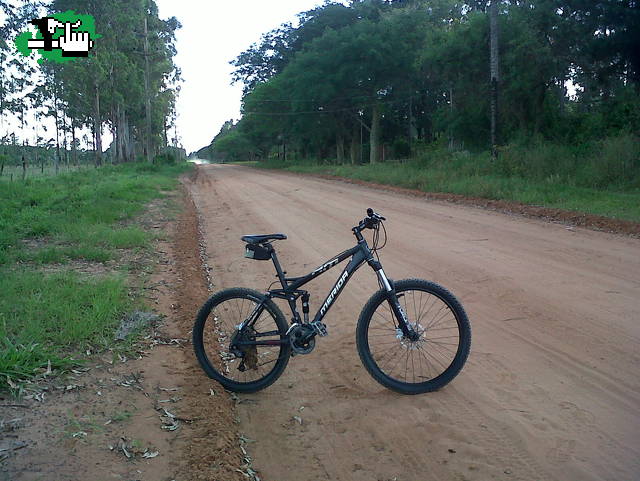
[
  {"x": 16, "y": 75},
  {"x": 128, "y": 81}
]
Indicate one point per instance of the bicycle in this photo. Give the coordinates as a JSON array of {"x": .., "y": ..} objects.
[{"x": 242, "y": 340}]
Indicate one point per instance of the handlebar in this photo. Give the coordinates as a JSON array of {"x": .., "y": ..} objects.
[
  {"x": 369, "y": 222},
  {"x": 374, "y": 215}
]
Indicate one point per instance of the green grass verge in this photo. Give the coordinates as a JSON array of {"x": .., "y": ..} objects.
[
  {"x": 54, "y": 317},
  {"x": 79, "y": 209},
  {"x": 602, "y": 179},
  {"x": 51, "y": 318}
]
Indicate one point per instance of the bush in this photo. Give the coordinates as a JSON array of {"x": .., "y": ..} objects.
[
  {"x": 614, "y": 163},
  {"x": 164, "y": 158},
  {"x": 598, "y": 177}
]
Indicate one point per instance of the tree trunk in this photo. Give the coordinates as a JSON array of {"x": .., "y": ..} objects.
[
  {"x": 374, "y": 135},
  {"x": 97, "y": 127},
  {"x": 113, "y": 148},
  {"x": 164, "y": 127},
  {"x": 126, "y": 141},
  {"x": 495, "y": 77},
  {"x": 121, "y": 152},
  {"x": 122, "y": 135},
  {"x": 64, "y": 139},
  {"x": 55, "y": 117},
  {"x": 340, "y": 148},
  {"x": 73, "y": 143},
  {"x": 354, "y": 149},
  {"x": 452, "y": 141},
  {"x": 410, "y": 125}
]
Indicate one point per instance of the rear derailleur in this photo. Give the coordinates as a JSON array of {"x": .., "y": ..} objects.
[{"x": 247, "y": 353}]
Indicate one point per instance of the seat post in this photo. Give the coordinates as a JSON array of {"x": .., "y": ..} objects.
[{"x": 276, "y": 263}]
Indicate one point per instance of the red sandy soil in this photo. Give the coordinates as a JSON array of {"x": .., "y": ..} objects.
[
  {"x": 551, "y": 389},
  {"x": 550, "y": 392}
]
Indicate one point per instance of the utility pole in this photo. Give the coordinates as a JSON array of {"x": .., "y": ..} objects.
[
  {"x": 495, "y": 77},
  {"x": 146, "y": 90},
  {"x": 410, "y": 124}
]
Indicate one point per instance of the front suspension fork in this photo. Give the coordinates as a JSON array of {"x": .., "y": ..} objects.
[{"x": 403, "y": 322}]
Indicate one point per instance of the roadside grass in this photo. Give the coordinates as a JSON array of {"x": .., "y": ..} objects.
[
  {"x": 49, "y": 317},
  {"x": 79, "y": 209},
  {"x": 52, "y": 318},
  {"x": 81, "y": 426},
  {"x": 63, "y": 254},
  {"x": 121, "y": 416},
  {"x": 243, "y": 162},
  {"x": 601, "y": 179},
  {"x": 106, "y": 236}
]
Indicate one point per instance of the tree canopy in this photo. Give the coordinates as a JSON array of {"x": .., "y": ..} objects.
[{"x": 372, "y": 79}]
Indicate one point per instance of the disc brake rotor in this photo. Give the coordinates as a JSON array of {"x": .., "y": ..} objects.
[{"x": 407, "y": 343}]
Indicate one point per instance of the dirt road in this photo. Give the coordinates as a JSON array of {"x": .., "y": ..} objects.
[{"x": 551, "y": 390}]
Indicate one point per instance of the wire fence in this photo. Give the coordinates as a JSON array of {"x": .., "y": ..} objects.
[{"x": 16, "y": 173}]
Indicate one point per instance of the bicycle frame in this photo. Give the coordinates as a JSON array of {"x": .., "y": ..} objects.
[
  {"x": 290, "y": 285},
  {"x": 291, "y": 291}
]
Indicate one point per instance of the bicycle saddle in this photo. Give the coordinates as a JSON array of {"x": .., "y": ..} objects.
[{"x": 259, "y": 239}]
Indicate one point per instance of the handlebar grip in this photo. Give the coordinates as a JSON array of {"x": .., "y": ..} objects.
[{"x": 374, "y": 215}]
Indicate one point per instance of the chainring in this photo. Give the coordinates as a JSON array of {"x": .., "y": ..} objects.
[{"x": 301, "y": 339}]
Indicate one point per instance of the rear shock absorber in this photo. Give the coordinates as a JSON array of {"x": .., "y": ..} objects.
[{"x": 305, "y": 307}]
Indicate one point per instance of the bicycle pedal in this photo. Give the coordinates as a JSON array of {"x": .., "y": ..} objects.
[{"x": 320, "y": 328}]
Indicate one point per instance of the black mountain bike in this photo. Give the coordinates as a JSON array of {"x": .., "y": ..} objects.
[{"x": 413, "y": 336}]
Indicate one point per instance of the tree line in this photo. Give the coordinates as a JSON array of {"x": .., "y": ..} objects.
[
  {"x": 127, "y": 84},
  {"x": 380, "y": 79}
]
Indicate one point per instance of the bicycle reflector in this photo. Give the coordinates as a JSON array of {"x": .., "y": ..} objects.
[{"x": 258, "y": 252}]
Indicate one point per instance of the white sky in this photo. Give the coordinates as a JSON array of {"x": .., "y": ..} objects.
[{"x": 212, "y": 34}]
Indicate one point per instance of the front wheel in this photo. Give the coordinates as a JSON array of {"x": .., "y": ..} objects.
[
  {"x": 246, "y": 360},
  {"x": 424, "y": 364}
]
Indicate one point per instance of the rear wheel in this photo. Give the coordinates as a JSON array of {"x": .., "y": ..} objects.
[
  {"x": 241, "y": 368},
  {"x": 414, "y": 366}
]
